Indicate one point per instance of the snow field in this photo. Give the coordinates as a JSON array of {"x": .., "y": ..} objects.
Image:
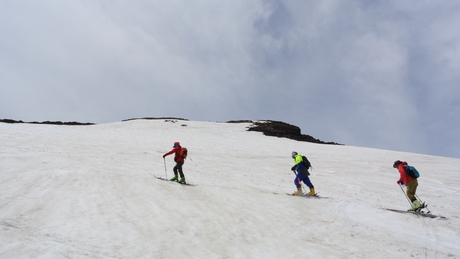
[{"x": 90, "y": 192}]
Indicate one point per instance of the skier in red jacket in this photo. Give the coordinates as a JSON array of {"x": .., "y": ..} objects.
[
  {"x": 179, "y": 162},
  {"x": 409, "y": 182}
]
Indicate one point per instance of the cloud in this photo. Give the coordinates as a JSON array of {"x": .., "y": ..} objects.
[{"x": 381, "y": 74}]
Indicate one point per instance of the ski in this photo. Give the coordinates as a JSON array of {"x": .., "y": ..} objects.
[
  {"x": 309, "y": 196},
  {"x": 418, "y": 213},
  {"x": 164, "y": 179}
]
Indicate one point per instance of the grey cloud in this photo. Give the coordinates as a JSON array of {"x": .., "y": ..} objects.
[{"x": 381, "y": 74}]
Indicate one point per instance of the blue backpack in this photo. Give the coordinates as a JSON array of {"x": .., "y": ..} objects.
[{"x": 411, "y": 171}]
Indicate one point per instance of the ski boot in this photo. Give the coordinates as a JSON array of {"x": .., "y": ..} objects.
[
  {"x": 416, "y": 205},
  {"x": 182, "y": 180},
  {"x": 299, "y": 191},
  {"x": 312, "y": 192},
  {"x": 175, "y": 178}
]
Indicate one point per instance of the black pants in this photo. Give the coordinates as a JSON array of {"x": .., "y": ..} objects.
[{"x": 178, "y": 167}]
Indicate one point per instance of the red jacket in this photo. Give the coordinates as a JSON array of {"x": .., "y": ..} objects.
[
  {"x": 404, "y": 178},
  {"x": 177, "y": 156}
]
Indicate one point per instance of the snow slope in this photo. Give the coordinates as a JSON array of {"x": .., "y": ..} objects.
[{"x": 90, "y": 192}]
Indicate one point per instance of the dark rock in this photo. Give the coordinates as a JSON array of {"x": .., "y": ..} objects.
[
  {"x": 73, "y": 123},
  {"x": 157, "y": 118},
  {"x": 284, "y": 130},
  {"x": 10, "y": 121}
]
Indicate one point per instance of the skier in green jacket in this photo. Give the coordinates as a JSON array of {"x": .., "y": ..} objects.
[{"x": 302, "y": 175}]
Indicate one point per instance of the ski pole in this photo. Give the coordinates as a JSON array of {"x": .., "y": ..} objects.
[
  {"x": 423, "y": 203},
  {"x": 166, "y": 172},
  {"x": 405, "y": 194},
  {"x": 304, "y": 191}
]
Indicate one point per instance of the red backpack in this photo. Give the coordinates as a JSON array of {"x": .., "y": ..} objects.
[{"x": 183, "y": 152}]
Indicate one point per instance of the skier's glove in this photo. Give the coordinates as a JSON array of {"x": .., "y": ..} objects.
[
  {"x": 164, "y": 156},
  {"x": 399, "y": 182},
  {"x": 293, "y": 168}
]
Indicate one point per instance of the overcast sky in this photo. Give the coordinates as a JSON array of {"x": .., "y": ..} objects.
[{"x": 382, "y": 74}]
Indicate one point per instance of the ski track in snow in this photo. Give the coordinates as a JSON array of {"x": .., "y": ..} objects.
[{"x": 90, "y": 192}]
